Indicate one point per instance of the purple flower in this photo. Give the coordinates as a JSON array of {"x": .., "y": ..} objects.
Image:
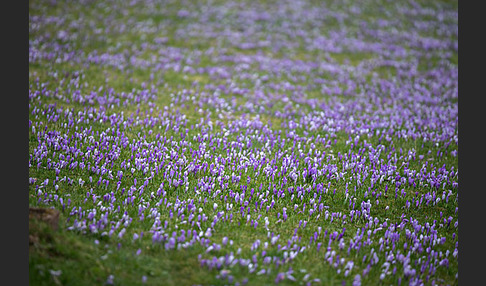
[
  {"x": 280, "y": 277},
  {"x": 121, "y": 233},
  {"x": 110, "y": 279}
]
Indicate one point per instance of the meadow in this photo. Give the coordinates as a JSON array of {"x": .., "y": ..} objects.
[{"x": 244, "y": 142}]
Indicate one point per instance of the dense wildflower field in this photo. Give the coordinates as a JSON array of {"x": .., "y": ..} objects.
[{"x": 244, "y": 142}]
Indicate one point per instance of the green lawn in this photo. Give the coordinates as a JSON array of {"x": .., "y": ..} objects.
[{"x": 244, "y": 142}]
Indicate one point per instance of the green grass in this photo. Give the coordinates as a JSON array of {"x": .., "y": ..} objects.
[
  {"x": 79, "y": 257},
  {"x": 91, "y": 260}
]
